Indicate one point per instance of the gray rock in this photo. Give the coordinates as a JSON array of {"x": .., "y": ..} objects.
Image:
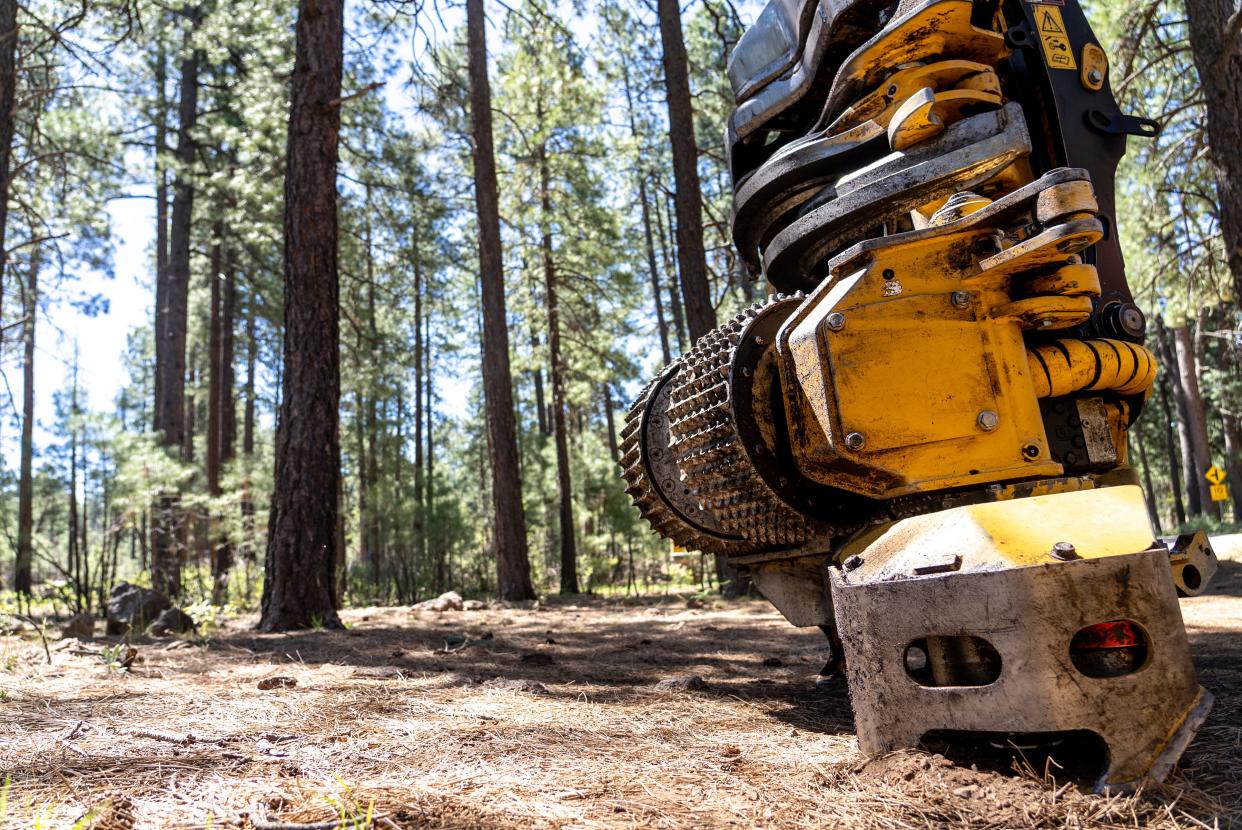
[
  {"x": 171, "y": 621},
  {"x": 686, "y": 682},
  {"x": 131, "y": 608},
  {"x": 81, "y": 626},
  {"x": 450, "y": 601},
  {"x": 473, "y": 605}
]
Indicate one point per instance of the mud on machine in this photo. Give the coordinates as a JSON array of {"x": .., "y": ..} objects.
[{"x": 918, "y": 443}]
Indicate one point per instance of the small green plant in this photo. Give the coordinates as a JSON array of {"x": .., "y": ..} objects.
[
  {"x": 113, "y": 657},
  {"x": 4, "y": 698},
  {"x": 10, "y": 662}
]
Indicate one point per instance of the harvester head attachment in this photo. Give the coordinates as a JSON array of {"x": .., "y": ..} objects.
[{"x": 921, "y": 447}]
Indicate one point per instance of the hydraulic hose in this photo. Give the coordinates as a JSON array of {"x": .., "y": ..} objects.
[{"x": 1068, "y": 366}]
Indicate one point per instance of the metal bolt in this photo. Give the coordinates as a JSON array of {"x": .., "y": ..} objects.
[
  {"x": 1030, "y": 451},
  {"x": 1132, "y": 320},
  {"x": 1065, "y": 552},
  {"x": 960, "y": 299},
  {"x": 746, "y": 371},
  {"x": 855, "y": 440},
  {"x": 759, "y": 341},
  {"x": 1044, "y": 323},
  {"x": 836, "y": 321},
  {"x": 1095, "y": 76},
  {"x": 988, "y": 420},
  {"x": 852, "y": 563}
]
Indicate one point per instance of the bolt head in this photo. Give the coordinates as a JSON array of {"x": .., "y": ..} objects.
[
  {"x": 988, "y": 420},
  {"x": 1064, "y": 551},
  {"x": 835, "y": 321},
  {"x": 1095, "y": 76},
  {"x": 760, "y": 340},
  {"x": 1132, "y": 320},
  {"x": 852, "y": 563},
  {"x": 960, "y": 299},
  {"x": 1030, "y": 451},
  {"x": 855, "y": 440}
]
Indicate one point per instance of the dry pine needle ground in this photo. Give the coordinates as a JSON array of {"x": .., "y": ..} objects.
[{"x": 558, "y": 719}]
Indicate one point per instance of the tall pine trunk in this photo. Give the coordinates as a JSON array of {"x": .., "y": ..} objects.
[
  {"x": 168, "y": 531},
  {"x": 509, "y": 538},
  {"x": 1196, "y": 418},
  {"x": 653, "y": 271},
  {"x": 564, "y": 477},
  {"x": 299, "y": 589},
  {"x": 1214, "y": 35},
  {"x": 674, "y": 294},
  {"x": 22, "y": 581},
  {"x": 700, "y": 316},
  {"x": 8, "y": 103}
]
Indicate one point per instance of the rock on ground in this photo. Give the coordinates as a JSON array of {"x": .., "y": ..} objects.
[
  {"x": 81, "y": 626},
  {"x": 171, "y": 621},
  {"x": 450, "y": 601},
  {"x": 132, "y": 608}
]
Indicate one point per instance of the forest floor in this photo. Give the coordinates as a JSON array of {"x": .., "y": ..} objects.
[{"x": 551, "y": 716}]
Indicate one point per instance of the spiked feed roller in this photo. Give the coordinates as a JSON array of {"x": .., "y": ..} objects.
[{"x": 918, "y": 442}]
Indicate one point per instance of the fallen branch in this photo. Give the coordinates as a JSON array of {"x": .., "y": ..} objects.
[{"x": 172, "y": 737}]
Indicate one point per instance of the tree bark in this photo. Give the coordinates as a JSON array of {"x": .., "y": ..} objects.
[
  {"x": 609, "y": 416},
  {"x": 161, "y": 230},
  {"x": 1214, "y": 43},
  {"x": 700, "y": 316},
  {"x": 22, "y": 578},
  {"x": 1196, "y": 417},
  {"x": 219, "y": 404},
  {"x": 564, "y": 478},
  {"x": 8, "y": 104},
  {"x": 167, "y": 548},
  {"x": 509, "y": 538},
  {"x": 299, "y": 589},
  {"x": 674, "y": 293},
  {"x": 1175, "y": 477},
  {"x": 1168, "y": 357},
  {"x": 1233, "y": 460},
  {"x": 653, "y": 271}
]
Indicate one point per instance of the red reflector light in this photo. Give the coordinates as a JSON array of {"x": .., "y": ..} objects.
[{"x": 1113, "y": 634}]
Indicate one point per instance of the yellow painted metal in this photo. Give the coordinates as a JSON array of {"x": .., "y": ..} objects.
[
  {"x": 928, "y": 385},
  {"x": 880, "y": 104},
  {"x": 1094, "y": 67},
  {"x": 1013, "y": 533},
  {"x": 937, "y": 28},
  {"x": 926, "y": 113}
]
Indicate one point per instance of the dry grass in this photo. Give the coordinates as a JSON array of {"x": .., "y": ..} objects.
[{"x": 555, "y": 721}]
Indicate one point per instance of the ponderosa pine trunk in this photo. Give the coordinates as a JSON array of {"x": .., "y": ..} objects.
[
  {"x": 1168, "y": 360},
  {"x": 161, "y": 230},
  {"x": 1214, "y": 41},
  {"x": 556, "y": 360},
  {"x": 168, "y": 529},
  {"x": 1196, "y": 418},
  {"x": 220, "y": 405},
  {"x": 700, "y": 316},
  {"x": 674, "y": 294},
  {"x": 299, "y": 590},
  {"x": 22, "y": 577},
  {"x": 1170, "y": 449},
  {"x": 509, "y": 537},
  {"x": 8, "y": 104},
  {"x": 652, "y": 270}
]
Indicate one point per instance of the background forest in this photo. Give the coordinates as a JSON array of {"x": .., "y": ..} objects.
[{"x": 138, "y": 120}]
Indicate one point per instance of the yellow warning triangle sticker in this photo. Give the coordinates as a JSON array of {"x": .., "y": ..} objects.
[{"x": 1049, "y": 24}]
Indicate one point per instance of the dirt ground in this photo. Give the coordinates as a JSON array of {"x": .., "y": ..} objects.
[{"x": 551, "y": 716}]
